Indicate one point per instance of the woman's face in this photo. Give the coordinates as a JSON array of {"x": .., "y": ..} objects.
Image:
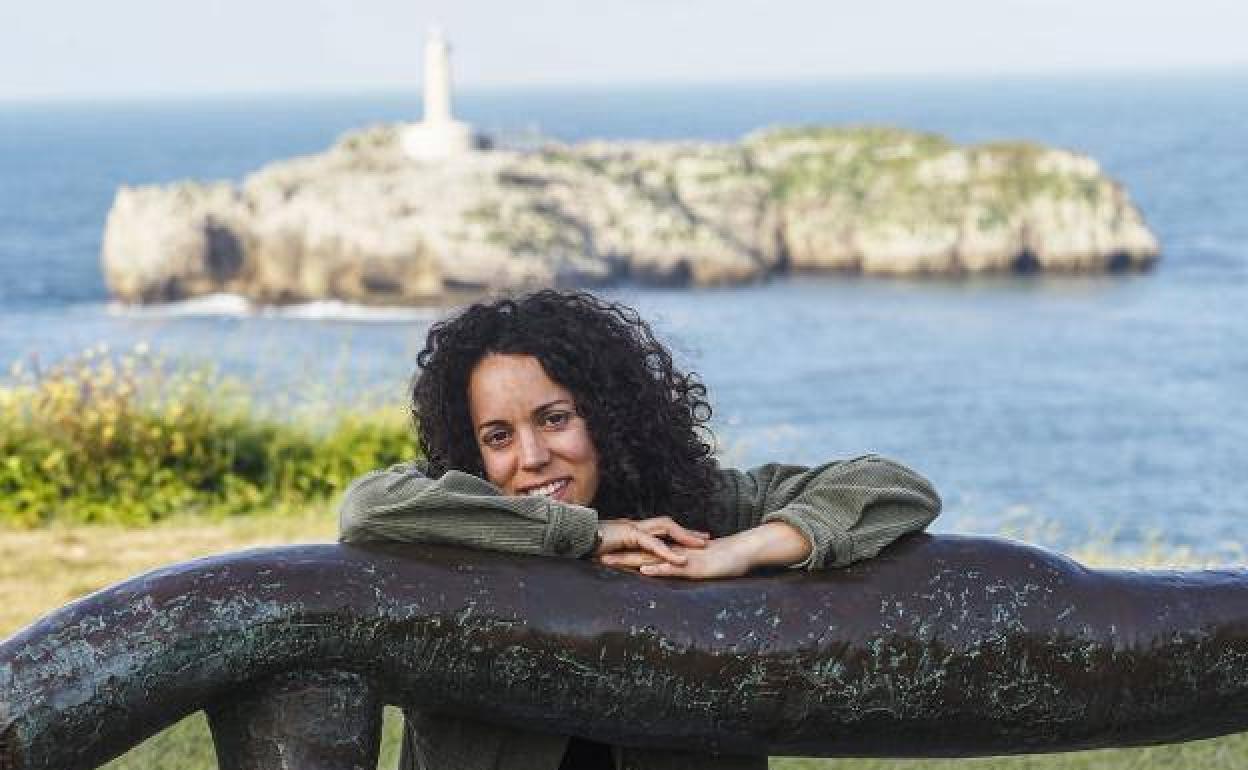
[{"x": 531, "y": 438}]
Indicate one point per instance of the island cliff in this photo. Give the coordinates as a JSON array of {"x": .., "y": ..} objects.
[{"x": 364, "y": 222}]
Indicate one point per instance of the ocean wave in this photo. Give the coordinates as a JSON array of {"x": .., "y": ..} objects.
[
  {"x": 210, "y": 305},
  {"x": 235, "y": 306},
  {"x": 337, "y": 310}
]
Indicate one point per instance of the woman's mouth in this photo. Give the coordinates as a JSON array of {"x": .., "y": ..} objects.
[{"x": 553, "y": 489}]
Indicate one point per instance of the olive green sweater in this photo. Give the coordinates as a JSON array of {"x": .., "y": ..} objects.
[{"x": 848, "y": 510}]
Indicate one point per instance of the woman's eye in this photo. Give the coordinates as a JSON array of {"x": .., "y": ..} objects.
[
  {"x": 558, "y": 419},
  {"x": 495, "y": 438}
]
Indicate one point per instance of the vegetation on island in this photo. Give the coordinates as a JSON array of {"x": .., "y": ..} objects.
[
  {"x": 843, "y": 161},
  {"x": 875, "y": 173}
]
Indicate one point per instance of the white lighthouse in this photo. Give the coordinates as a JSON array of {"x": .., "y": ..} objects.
[{"x": 438, "y": 135}]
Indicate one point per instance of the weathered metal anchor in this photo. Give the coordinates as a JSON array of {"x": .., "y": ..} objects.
[{"x": 941, "y": 646}]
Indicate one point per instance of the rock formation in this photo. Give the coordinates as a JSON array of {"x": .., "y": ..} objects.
[{"x": 364, "y": 222}]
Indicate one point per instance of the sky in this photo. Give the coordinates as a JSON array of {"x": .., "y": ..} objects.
[{"x": 84, "y": 48}]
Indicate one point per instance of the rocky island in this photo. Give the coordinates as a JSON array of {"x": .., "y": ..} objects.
[{"x": 365, "y": 222}]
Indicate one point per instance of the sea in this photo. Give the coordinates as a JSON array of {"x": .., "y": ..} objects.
[{"x": 1106, "y": 411}]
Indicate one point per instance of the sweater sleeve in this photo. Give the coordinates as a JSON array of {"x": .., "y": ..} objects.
[
  {"x": 848, "y": 510},
  {"x": 402, "y": 504}
]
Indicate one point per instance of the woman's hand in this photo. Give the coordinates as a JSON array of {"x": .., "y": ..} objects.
[
  {"x": 721, "y": 558},
  {"x": 774, "y": 544},
  {"x": 631, "y": 543}
]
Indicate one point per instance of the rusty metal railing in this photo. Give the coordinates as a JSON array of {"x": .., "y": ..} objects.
[{"x": 941, "y": 646}]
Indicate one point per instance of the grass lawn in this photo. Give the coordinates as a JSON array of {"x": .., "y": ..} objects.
[{"x": 44, "y": 568}]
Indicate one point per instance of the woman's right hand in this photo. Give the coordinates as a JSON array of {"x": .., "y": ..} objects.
[{"x": 632, "y": 543}]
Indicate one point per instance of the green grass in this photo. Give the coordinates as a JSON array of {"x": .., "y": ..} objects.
[
  {"x": 188, "y": 746},
  {"x": 1227, "y": 753}
]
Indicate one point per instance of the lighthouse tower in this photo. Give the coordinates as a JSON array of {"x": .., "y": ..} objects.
[{"x": 439, "y": 135}]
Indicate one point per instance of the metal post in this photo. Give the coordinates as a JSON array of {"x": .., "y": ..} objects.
[{"x": 310, "y": 720}]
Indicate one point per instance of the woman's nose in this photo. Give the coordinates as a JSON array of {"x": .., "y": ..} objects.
[{"x": 533, "y": 451}]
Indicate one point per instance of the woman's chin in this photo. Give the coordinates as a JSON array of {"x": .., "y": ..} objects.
[{"x": 572, "y": 494}]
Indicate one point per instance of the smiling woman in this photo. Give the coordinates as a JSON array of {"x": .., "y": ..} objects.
[{"x": 556, "y": 424}]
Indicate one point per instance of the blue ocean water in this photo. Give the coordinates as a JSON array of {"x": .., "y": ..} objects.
[{"x": 1064, "y": 408}]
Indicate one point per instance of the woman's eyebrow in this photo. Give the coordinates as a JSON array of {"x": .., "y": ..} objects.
[
  {"x": 549, "y": 404},
  {"x": 537, "y": 410}
]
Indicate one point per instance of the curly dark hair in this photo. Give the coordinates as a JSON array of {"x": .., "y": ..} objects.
[{"x": 646, "y": 418}]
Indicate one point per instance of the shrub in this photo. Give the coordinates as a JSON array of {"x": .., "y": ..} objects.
[{"x": 129, "y": 439}]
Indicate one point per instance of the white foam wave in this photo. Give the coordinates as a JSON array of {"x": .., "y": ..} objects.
[
  {"x": 235, "y": 306},
  {"x": 337, "y": 310},
  {"x": 208, "y": 305}
]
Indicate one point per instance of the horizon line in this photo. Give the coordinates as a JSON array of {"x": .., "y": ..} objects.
[{"x": 395, "y": 89}]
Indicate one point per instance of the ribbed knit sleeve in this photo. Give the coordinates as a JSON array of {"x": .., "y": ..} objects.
[
  {"x": 848, "y": 510},
  {"x": 402, "y": 504}
]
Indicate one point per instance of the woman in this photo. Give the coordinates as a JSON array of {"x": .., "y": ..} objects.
[{"x": 557, "y": 424}]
